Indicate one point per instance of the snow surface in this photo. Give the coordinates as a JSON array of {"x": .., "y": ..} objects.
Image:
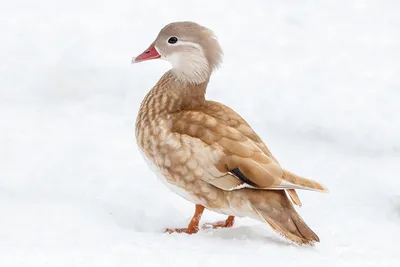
[{"x": 319, "y": 81}]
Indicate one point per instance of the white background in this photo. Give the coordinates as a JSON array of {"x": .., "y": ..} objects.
[{"x": 318, "y": 80}]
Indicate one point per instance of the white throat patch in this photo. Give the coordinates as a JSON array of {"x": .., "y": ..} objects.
[{"x": 189, "y": 67}]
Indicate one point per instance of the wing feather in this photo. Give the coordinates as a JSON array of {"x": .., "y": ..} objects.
[{"x": 243, "y": 159}]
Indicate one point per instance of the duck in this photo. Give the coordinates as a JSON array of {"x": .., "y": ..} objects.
[{"x": 206, "y": 152}]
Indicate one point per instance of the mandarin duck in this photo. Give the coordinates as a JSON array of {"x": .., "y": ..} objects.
[{"x": 203, "y": 150}]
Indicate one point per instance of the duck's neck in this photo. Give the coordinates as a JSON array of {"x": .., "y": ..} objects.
[{"x": 170, "y": 95}]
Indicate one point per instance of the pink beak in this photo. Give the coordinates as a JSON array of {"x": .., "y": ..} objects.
[{"x": 150, "y": 53}]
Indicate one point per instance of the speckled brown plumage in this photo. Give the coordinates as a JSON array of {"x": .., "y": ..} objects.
[{"x": 198, "y": 148}]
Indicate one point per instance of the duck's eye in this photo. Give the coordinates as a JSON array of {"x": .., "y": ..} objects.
[{"x": 172, "y": 40}]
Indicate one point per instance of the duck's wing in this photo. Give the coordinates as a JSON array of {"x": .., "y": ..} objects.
[
  {"x": 229, "y": 117},
  {"x": 240, "y": 158}
]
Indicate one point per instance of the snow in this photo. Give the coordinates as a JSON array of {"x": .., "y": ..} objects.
[{"x": 318, "y": 80}]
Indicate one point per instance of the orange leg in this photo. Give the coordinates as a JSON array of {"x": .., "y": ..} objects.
[
  {"x": 221, "y": 224},
  {"x": 193, "y": 226}
]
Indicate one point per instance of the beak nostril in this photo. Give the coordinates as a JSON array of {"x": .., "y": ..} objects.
[{"x": 148, "y": 51}]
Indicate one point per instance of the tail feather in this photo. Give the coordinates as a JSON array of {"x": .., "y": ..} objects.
[
  {"x": 280, "y": 214},
  {"x": 294, "y": 197}
]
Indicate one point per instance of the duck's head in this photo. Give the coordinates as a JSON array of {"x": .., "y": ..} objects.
[{"x": 192, "y": 50}]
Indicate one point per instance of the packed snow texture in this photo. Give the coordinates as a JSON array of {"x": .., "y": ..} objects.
[{"x": 318, "y": 80}]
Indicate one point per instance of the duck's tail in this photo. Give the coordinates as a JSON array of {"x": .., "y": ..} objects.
[{"x": 278, "y": 211}]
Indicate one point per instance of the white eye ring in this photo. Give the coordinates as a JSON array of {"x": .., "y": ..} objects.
[{"x": 172, "y": 40}]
